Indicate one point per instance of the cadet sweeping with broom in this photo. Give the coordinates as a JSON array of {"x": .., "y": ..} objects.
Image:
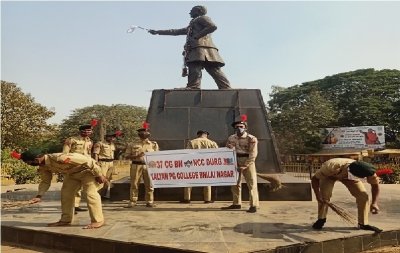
[{"x": 349, "y": 172}]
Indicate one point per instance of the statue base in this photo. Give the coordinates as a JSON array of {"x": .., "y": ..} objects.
[{"x": 293, "y": 189}]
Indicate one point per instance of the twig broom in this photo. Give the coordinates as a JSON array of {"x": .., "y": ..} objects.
[
  {"x": 276, "y": 184},
  {"x": 343, "y": 214}
]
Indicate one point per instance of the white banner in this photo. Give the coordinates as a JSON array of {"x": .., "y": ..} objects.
[
  {"x": 192, "y": 167},
  {"x": 368, "y": 137}
]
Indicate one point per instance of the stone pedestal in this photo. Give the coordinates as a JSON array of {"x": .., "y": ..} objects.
[{"x": 176, "y": 115}]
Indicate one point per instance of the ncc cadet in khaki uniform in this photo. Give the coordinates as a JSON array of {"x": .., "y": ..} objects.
[
  {"x": 245, "y": 145},
  {"x": 337, "y": 169},
  {"x": 81, "y": 171},
  {"x": 201, "y": 142},
  {"x": 81, "y": 144},
  {"x": 103, "y": 152},
  {"x": 135, "y": 152}
]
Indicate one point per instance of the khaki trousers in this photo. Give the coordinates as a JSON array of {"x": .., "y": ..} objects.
[
  {"x": 72, "y": 183},
  {"x": 78, "y": 197},
  {"x": 250, "y": 175},
  {"x": 356, "y": 189},
  {"x": 137, "y": 172},
  {"x": 107, "y": 170},
  {"x": 206, "y": 193}
]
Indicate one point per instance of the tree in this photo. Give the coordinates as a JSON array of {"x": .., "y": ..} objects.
[
  {"x": 297, "y": 122},
  {"x": 364, "y": 97},
  {"x": 359, "y": 98},
  {"x": 23, "y": 121},
  {"x": 126, "y": 118}
]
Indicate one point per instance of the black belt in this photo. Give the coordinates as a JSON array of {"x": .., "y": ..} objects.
[
  {"x": 242, "y": 155},
  {"x": 138, "y": 162},
  {"x": 106, "y": 160}
]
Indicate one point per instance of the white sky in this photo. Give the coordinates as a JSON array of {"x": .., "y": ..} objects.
[{"x": 70, "y": 55}]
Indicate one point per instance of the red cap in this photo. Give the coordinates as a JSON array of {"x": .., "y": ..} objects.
[
  {"x": 15, "y": 155},
  {"x": 243, "y": 120},
  {"x": 93, "y": 122}
]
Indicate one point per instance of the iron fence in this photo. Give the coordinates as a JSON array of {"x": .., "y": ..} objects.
[{"x": 307, "y": 170}]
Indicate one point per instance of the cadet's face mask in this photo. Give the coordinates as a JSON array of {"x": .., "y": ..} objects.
[
  {"x": 86, "y": 132},
  {"x": 240, "y": 129},
  {"x": 110, "y": 138}
]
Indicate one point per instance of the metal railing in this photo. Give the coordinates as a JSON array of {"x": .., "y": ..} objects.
[
  {"x": 307, "y": 170},
  {"x": 300, "y": 170}
]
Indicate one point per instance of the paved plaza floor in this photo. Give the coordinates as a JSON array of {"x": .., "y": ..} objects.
[{"x": 205, "y": 227}]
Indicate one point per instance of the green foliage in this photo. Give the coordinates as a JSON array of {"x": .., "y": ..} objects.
[
  {"x": 359, "y": 98},
  {"x": 365, "y": 97},
  {"x": 51, "y": 145},
  {"x": 18, "y": 170},
  {"x": 126, "y": 118},
  {"x": 23, "y": 121},
  {"x": 298, "y": 122}
]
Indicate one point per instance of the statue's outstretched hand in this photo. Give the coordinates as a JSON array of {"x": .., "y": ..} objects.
[{"x": 154, "y": 32}]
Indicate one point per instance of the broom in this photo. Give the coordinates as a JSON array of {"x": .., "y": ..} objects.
[
  {"x": 343, "y": 214},
  {"x": 12, "y": 204},
  {"x": 276, "y": 184}
]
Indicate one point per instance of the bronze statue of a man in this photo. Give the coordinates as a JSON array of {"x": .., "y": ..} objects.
[{"x": 199, "y": 50}]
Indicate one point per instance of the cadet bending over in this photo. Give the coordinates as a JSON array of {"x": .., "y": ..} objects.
[{"x": 80, "y": 171}]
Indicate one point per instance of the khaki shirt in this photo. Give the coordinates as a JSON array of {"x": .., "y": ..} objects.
[
  {"x": 337, "y": 169},
  {"x": 244, "y": 145},
  {"x": 78, "y": 144},
  {"x": 66, "y": 164},
  {"x": 135, "y": 150},
  {"x": 201, "y": 143},
  {"x": 104, "y": 150}
]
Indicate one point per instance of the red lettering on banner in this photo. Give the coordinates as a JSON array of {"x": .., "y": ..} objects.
[
  {"x": 198, "y": 162},
  {"x": 178, "y": 164},
  {"x": 225, "y": 173},
  {"x": 206, "y": 174},
  {"x": 187, "y": 175},
  {"x": 159, "y": 176},
  {"x": 214, "y": 161},
  {"x": 168, "y": 164}
]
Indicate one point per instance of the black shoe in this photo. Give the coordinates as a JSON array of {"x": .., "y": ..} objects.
[
  {"x": 75, "y": 212},
  {"x": 208, "y": 201},
  {"x": 231, "y": 207},
  {"x": 185, "y": 201},
  {"x": 252, "y": 209},
  {"x": 80, "y": 209},
  {"x": 369, "y": 227},
  {"x": 319, "y": 224}
]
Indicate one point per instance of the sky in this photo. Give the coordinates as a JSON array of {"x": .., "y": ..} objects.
[{"x": 74, "y": 54}]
